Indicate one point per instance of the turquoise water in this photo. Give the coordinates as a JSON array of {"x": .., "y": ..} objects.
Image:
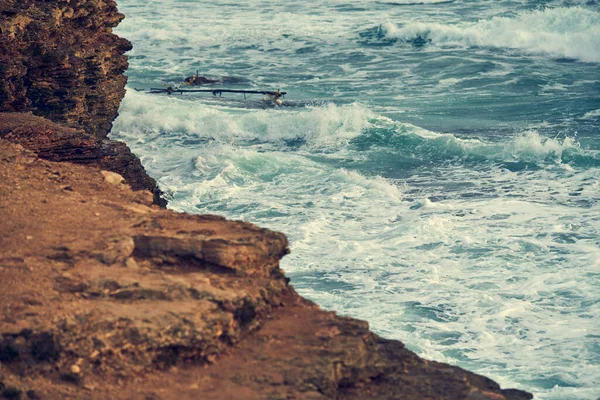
[{"x": 437, "y": 168}]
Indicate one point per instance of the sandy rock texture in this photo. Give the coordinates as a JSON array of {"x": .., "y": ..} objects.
[
  {"x": 105, "y": 296},
  {"x": 61, "y": 60},
  {"x": 56, "y": 142}
]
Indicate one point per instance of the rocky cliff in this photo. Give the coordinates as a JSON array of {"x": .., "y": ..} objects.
[
  {"x": 105, "y": 295},
  {"x": 60, "y": 60}
]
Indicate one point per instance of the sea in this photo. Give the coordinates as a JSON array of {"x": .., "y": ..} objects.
[{"x": 435, "y": 164}]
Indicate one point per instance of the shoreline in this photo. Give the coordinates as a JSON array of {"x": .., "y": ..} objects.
[{"x": 108, "y": 295}]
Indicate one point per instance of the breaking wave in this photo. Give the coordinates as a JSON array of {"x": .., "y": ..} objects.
[
  {"x": 327, "y": 126},
  {"x": 525, "y": 148},
  {"x": 560, "y": 32},
  {"x": 331, "y": 128},
  {"x": 415, "y": 2}
]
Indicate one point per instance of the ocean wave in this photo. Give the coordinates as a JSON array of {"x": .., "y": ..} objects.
[
  {"x": 327, "y": 126},
  {"x": 330, "y": 128},
  {"x": 592, "y": 114},
  {"x": 560, "y": 32},
  {"x": 530, "y": 147},
  {"x": 415, "y": 2}
]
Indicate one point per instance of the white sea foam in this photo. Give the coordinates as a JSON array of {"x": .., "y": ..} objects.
[
  {"x": 592, "y": 114},
  {"x": 488, "y": 266},
  {"x": 561, "y": 32},
  {"x": 461, "y": 280},
  {"x": 481, "y": 249},
  {"x": 329, "y": 125},
  {"x": 533, "y": 146},
  {"x": 528, "y": 146}
]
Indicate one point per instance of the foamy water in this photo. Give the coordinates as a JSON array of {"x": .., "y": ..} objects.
[
  {"x": 560, "y": 32},
  {"x": 438, "y": 173}
]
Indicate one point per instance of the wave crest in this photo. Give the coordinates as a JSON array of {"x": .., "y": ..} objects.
[
  {"x": 325, "y": 126},
  {"x": 331, "y": 129},
  {"x": 415, "y": 143},
  {"x": 561, "y": 32}
]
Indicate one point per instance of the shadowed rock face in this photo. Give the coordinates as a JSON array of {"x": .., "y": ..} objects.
[
  {"x": 55, "y": 142},
  {"x": 60, "y": 59}
]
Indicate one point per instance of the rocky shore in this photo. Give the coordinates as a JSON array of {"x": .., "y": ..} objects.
[{"x": 105, "y": 294}]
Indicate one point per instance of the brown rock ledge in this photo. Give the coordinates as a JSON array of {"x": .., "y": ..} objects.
[
  {"x": 55, "y": 142},
  {"x": 105, "y": 296},
  {"x": 60, "y": 60}
]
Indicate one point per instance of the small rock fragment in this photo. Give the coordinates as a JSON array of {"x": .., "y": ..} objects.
[
  {"x": 131, "y": 263},
  {"x": 112, "y": 177}
]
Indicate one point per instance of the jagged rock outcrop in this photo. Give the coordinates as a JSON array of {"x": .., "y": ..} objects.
[
  {"x": 60, "y": 60},
  {"x": 55, "y": 142},
  {"x": 107, "y": 296}
]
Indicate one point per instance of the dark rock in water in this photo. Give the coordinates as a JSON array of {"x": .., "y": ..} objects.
[
  {"x": 419, "y": 41},
  {"x": 376, "y": 37},
  {"x": 196, "y": 80},
  {"x": 234, "y": 80}
]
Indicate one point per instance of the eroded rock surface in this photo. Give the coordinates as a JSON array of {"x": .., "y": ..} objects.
[
  {"x": 106, "y": 296},
  {"x": 56, "y": 142},
  {"x": 61, "y": 60}
]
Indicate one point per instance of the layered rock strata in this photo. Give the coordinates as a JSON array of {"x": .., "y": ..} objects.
[
  {"x": 55, "y": 142},
  {"x": 60, "y": 60},
  {"x": 105, "y": 295}
]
